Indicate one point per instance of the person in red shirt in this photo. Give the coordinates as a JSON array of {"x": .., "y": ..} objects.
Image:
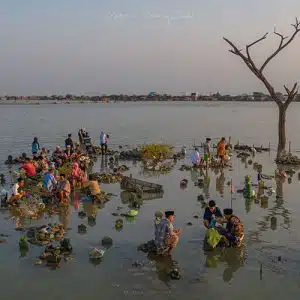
[{"x": 29, "y": 168}]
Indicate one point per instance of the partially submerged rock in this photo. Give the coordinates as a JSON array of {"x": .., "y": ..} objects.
[
  {"x": 107, "y": 241},
  {"x": 44, "y": 235},
  {"x": 82, "y": 228}
]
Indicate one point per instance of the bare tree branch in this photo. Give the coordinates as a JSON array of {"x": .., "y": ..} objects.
[
  {"x": 291, "y": 94},
  {"x": 251, "y": 65},
  {"x": 282, "y": 44}
]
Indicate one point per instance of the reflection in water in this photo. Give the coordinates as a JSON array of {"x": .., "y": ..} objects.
[
  {"x": 270, "y": 221},
  {"x": 233, "y": 257},
  {"x": 64, "y": 216},
  {"x": 220, "y": 183},
  {"x": 195, "y": 175},
  {"x": 103, "y": 165},
  {"x": 23, "y": 252},
  {"x": 206, "y": 185},
  {"x": 90, "y": 209},
  {"x": 164, "y": 266}
]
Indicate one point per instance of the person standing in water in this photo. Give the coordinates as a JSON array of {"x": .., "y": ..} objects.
[
  {"x": 207, "y": 151},
  {"x": 103, "y": 142},
  {"x": 35, "y": 146},
  {"x": 69, "y": 142},
  {"x": 195, "y": 157}
]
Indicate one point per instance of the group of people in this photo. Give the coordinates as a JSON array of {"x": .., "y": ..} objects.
[
  {"x": 54, "y": 182},
  {"x": 204, "y": 161},
  {"x": 234, "y": 231},
  {"x": 167, "y": 237}
]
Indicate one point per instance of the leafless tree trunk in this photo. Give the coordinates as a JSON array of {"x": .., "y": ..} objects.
[{"x": 259, "y": 73}]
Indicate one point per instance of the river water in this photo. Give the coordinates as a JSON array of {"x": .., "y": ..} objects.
[{"x": 228, "y": 275}]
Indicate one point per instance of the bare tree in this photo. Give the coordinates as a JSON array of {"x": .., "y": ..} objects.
[{"x": 259, "y": 73}]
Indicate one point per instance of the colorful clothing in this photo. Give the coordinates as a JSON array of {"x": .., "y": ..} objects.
[
  {"x": 221, "y": 149},
  {"x": 29, "y": 169},
  {"x": 234, "y": 231},
  {"x": 164, "y": 235},
  {"x": 103, "y": 139},
  {"x": 49, "y": 182},
  {"x": 195, "y": 157},
  {"x": 207, "y": 148},
  {"x": 35, "y": 147},
  {"x": 209, "y": 215}
]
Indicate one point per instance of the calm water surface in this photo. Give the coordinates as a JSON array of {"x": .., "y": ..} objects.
[{"x": 228, "y": 275}]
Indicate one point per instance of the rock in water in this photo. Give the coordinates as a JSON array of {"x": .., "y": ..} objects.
[
  {"x": 66, "y": 245},
  {"x": 200, "y": 198},
  {"x": 107, "y": 241},
  {"x": 175, "y": 274},
  {"x": 82, "y": 228},
  {"x": 81, "y": 214}
]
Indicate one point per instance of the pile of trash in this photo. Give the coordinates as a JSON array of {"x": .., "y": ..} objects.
[
  {"x": 158, "y": 166},
  {"x": 85, "y": 159},
  {"x": 288, "y": 159},
  {"x": 239, "y": 147},
  {"x": 31, "y": 207},
  {"x": 185, "y": 168},
  {"x": 46, "y": 234},
  {"x": 108, "y": 177},
  {"x": 121, "y": 169},
  {"x": 53, "y": 254},
  {"x": 108, "y": 152},
  {"x": 134, "y": 154}
]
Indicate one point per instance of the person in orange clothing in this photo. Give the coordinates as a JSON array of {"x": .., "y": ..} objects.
[{"x": 221, "y": 149}]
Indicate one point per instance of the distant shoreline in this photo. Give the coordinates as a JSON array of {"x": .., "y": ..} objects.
[{"x": 43, "y": 102}]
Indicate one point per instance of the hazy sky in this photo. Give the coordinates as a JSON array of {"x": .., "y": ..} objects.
[{"x": 139, "y": 46}]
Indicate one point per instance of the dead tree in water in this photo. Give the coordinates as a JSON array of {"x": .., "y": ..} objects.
[{"x": 259, "y": 73}]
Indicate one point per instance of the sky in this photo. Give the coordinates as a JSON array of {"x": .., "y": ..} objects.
[{"x": 139, "y": 46}]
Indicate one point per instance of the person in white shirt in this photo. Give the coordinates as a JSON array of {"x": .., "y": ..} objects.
[
  {"x": 103, "y": 142},
  {"x": 195, "y": 157},
  {"x": 14, "y": 193}
]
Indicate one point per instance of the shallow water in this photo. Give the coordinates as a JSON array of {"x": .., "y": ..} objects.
[{"x": 230, "y": 275}]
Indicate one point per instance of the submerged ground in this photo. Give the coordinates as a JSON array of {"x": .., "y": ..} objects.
[{"x": 228, "y": 275}]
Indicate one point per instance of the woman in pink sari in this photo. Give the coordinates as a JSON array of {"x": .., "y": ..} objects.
[{"x": 77, "y": 175}]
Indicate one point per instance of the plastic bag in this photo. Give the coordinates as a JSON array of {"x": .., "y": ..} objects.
[{"x": 213, "y": 237}]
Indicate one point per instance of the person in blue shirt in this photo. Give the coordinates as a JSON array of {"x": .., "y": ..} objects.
[
  {"x": 35, "y": 146},
  {"x": 49, "y": 181},
  {"x": 212, "y": 214}
]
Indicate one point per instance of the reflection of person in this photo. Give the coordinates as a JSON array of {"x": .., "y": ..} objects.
[
  {"x": 206, "y": 185},
  {"x": 163, "y": 266},
  {"x": 211, "y": 214},
  {"x": 166, "y": 237},
  {"x": 194, "y": 175},
  {"x": 64, "y": 217},
  {"x": 220, "y": 181},
  {"x": 234, "y": 258}
]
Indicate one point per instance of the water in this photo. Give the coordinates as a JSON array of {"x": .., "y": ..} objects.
[{"x": 233, "y": 276}]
